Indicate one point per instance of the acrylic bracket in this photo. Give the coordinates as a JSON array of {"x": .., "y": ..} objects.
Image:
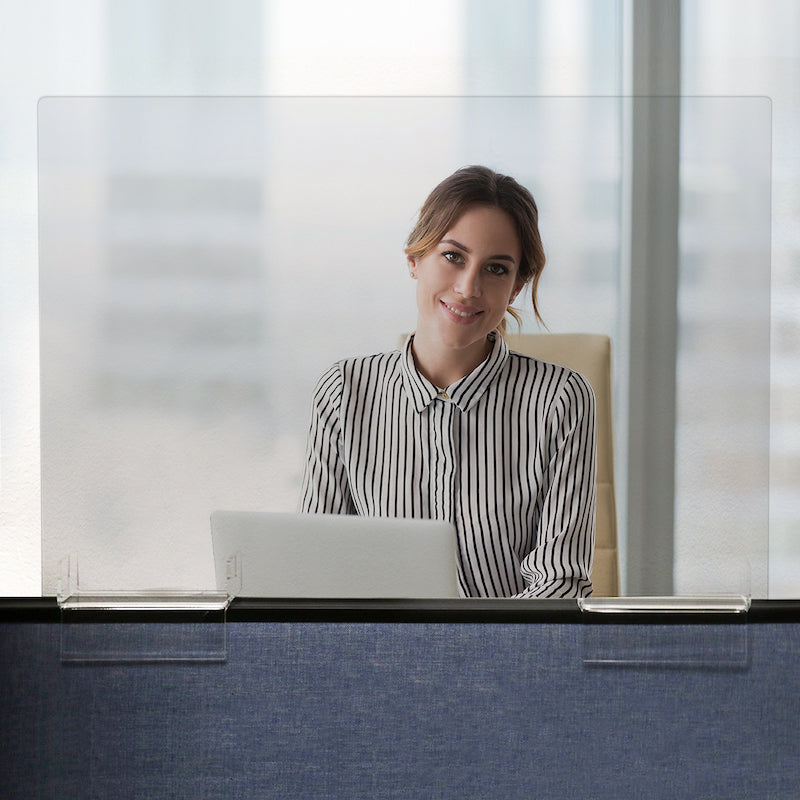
[
  {"x": 162, "y": 625},
  {"x": 628, "y": 631}
]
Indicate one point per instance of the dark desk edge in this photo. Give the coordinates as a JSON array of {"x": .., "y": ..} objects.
[{"x": 246, "y": 609}]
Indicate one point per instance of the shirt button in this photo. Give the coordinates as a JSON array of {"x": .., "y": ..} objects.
[{"x": 444, "y": 395}]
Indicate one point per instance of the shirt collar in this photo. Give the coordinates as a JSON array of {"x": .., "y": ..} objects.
[{"x": 465, "y": 392}]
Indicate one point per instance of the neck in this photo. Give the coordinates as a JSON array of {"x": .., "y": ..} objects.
[{"x": 442, "y": 365}]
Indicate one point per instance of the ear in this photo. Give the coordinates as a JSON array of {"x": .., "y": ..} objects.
[{"x": 412, "y": 267}]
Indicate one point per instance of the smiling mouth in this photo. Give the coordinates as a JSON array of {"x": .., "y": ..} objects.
[{"x": 459, "y": 313}]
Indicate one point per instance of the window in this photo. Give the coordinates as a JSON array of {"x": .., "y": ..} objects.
[{"x": 149, "y": 285}]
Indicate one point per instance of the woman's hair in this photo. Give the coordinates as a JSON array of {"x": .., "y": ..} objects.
[{"x": 480, "y": 186}]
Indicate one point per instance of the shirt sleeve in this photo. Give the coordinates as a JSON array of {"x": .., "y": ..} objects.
[
  {"x": 560, "y": 564},
  {"x": 325, "y": 488}
]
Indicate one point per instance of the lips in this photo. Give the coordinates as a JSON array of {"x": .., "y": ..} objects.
[{"x": 461, "y": 313}]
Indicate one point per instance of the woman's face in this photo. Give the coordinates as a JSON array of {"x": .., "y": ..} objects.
[{"x": 466, "y": 282}]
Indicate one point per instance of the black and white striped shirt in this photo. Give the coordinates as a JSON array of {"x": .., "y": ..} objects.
[{"x": 507, "y": 454}]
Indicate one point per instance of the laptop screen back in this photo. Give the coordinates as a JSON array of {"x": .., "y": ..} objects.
[{"x": 337, "y": 556}]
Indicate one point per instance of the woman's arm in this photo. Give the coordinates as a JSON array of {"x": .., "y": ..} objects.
[
  {"x": 325, "y": 488},
  {"x": 561, "y": 562}
]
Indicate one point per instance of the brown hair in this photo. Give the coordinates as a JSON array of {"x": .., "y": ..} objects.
[{"x": 481, "y": 186}]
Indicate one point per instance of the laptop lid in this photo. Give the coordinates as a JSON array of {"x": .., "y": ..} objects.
[{"x": 331, "y": 555}]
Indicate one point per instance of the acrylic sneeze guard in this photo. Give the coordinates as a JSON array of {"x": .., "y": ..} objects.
[{"x": 203, "y": 260}]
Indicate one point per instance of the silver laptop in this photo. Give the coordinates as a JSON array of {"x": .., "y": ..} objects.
[{"x": 265, "y": 554}]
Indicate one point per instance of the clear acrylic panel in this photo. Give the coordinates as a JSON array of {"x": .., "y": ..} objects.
[
  {"x": 135, "y": 637},
  {"x": 204, "y": 259},
  {"x": 701, "y": 647}
]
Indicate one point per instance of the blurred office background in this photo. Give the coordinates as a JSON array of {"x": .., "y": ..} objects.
[{"x": 203, "y": 256}]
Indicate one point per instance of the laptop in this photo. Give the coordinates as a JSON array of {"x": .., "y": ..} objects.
[{"x": 267, "y": 554}]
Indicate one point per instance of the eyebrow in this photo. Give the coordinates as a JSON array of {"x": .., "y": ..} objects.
[{"x": 466, "y": 249}]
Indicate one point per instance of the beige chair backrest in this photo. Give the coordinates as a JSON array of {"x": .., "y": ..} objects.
[{"x": 589, "y": 354}]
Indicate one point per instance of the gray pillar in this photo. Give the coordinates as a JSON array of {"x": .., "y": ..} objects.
[{"x": 653, "y": 286}]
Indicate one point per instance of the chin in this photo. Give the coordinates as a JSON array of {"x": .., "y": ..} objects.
[{"x": 462, "y": 340}]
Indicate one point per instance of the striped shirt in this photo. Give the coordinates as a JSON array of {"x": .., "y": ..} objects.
[{"x": 506, "y": 454}]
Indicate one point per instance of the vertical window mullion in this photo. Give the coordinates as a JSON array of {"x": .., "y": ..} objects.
[{"x": 651, "y": 275}]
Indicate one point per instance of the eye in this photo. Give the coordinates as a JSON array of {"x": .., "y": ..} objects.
[
  {"x": 497, "y": 269},
  {"x": 453, "y": 257}
]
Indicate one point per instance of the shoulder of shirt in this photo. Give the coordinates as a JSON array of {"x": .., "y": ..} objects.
[
  {"x": 356, "y": 364},
  {"x": 538, "y": 367},
  {"x": 532, "y": 362},
  {"x": 360, "y": 362},
  {"x": 362, "y": 375}
]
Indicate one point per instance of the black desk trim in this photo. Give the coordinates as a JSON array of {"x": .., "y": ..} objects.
[{"x": 245, "y": 609}]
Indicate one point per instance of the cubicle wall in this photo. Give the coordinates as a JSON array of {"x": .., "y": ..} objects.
[{"x": 402, "y": 700}]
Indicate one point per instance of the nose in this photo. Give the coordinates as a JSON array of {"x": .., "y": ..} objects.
[{"x": 468, "y": 282}]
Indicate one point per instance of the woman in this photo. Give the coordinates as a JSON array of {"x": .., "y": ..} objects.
[{"x": 455, "y": 426}]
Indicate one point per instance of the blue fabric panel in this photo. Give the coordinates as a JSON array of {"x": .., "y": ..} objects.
[{"x": 344, "y": 710}]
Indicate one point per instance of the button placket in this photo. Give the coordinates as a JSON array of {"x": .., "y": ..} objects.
[{"x": 444, "y": 487}]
